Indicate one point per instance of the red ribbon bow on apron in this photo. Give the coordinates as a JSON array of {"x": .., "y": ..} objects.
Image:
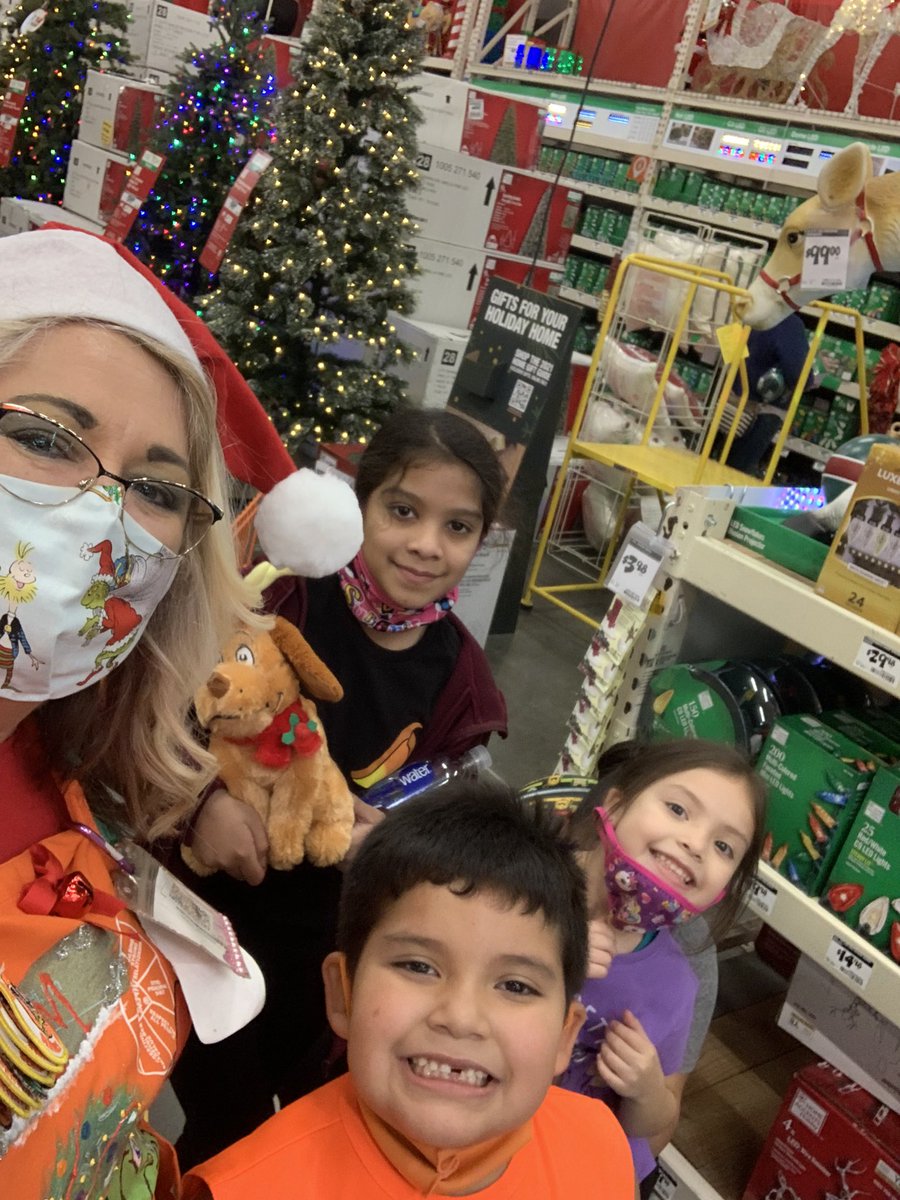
[{"x": 54, "y": 892}]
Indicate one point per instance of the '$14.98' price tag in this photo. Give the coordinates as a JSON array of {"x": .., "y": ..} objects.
[{"x": 849, "y": 962}]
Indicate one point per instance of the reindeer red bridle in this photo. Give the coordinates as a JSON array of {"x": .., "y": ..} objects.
[{"x": 862, "y": 231}]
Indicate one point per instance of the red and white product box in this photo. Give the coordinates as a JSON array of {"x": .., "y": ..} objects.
[
  {"x": 443, "y": 104},
  {"x": 438, "y": 349},
  {"x": 830, "y": 1139},
  {"x": 21, "y": 216},
  {"x": 486, "y": 205},
  {"x": 838, "y": 1025},
  {"x": 94, "y": 181},
  {"x": 159, "y": 33},
  {"x": 502, "y": 129},
  {"x": 340, "y": 459},
  {"x": 118, "y": 113},
  {"x": 453, "y": 279}
]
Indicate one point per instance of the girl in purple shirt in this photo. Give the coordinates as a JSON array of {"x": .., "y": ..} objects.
[{"x": 670, "y": 830}]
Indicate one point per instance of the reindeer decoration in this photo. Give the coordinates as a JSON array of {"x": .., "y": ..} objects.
[{"x": 849, "y": 196}]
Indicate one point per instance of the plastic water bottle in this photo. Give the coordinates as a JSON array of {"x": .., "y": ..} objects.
[{"x": 416, "y": 778}]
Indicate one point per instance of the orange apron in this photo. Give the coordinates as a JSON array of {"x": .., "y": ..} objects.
[{"x": 112, "y": 1000}]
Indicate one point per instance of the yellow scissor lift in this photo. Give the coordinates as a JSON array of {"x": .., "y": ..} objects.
[{"x": 668, "y": 467}]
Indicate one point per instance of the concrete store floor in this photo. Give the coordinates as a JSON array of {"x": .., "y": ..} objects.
[{"x": 746, "y": 1061}]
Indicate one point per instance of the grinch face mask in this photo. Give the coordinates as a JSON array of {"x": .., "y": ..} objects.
[
  {"x": 76, "y": 595},
  {"x": 637, "y": 898}
]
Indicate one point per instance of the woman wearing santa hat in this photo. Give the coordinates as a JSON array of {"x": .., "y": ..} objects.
[{"x": 115, "y": 407}]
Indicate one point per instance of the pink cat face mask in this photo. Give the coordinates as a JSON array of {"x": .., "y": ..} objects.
[{"x": 637, "y": 898}]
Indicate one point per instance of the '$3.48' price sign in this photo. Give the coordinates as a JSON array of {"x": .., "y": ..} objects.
[{"x": 633, "y": 575}]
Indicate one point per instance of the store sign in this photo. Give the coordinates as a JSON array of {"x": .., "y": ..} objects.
[
  {"x": 518, "y": 357},
  {"x": 10, "y": 112},
  {"x": 826, "y": 259},
  {"x": 137, "y": 189},
  {"x": 235, "y": 202}
]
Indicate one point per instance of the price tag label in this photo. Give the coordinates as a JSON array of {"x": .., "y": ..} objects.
[
  {"x": 848, "y": 962},
  {"x": 882, "y": 664},
  {"x": 762, "y": 897},
  {"x": 633, "y": 575},
  {"x": 826, "y": 257},
  {"x": 665, "y": 1186}
]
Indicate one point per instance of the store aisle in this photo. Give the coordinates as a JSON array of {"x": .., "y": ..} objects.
[{"x": 537, "y": 670}]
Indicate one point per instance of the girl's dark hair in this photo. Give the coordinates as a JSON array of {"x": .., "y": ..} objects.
[
  {"x": 631, "y": 767},
  {"x": 413, "y": 437},
  {"x": 471, "y": 836}
]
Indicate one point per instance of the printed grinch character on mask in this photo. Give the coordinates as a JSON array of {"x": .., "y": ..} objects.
[
  {"x": 18, "y": 586},
  {"x": 110, "y": 614}
]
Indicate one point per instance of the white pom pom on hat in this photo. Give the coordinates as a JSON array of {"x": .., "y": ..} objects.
[
  {"x": 289, "y": 524},
  {"x": 313, "y": 523}
]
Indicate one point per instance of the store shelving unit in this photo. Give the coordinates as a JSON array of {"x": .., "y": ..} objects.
[
  {"x": 731, "y": 598},
  {"x": 652, "y": 113}
]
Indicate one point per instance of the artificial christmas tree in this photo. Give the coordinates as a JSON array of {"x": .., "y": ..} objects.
[
  {"x": 50, "y": 48},
  {"x": 216, "y": 112},
  {"x": 322, "y": 252}
]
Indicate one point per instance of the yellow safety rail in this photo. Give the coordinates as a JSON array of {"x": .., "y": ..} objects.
[{"x": 667, "y": 468}]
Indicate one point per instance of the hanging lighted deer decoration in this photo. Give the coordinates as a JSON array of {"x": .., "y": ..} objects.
[{"x": 850, "y": 197}]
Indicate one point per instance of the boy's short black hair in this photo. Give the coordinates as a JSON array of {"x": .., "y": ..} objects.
[{"x": 477, "y": 836}]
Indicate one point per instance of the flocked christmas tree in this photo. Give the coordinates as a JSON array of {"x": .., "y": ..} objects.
[
  {"x": 322, "y": 252},
  {"x": 217, "y": 111},
  {"x": 52, "y": 44}
]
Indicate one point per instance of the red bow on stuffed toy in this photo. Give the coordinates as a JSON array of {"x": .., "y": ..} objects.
[
  {"x": 59, "y": 894},
  {"x": 291, "y": 732}
]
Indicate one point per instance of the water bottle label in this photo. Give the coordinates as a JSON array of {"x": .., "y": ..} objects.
[{"x": 401, "y": 786}]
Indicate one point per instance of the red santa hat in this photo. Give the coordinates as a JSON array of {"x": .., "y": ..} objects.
[
  {"x": 106, "y": 568},
  {"x": 308, "y": 523}
]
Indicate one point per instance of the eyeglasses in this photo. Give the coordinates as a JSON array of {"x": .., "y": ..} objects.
[{"x": 37, "y": 449}]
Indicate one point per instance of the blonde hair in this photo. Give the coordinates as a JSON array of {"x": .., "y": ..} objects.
[{"x": 130, "y": 734}]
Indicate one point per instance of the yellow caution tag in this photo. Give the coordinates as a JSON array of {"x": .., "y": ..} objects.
[{"x": 732, "y": 342}]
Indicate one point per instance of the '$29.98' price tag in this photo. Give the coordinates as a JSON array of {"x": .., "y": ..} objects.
[{"x": 879, "y": 662}]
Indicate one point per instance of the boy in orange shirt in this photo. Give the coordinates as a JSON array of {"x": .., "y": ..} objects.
[{"x": 463, "y": 938}]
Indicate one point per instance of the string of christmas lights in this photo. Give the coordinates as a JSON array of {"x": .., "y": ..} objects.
[
  {"x": 53, "y": 46},
  {"x": 323, "y": 250},
  {"x": 219, "y": 108}
]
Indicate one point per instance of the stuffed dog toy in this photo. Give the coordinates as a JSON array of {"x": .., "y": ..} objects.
[{"x": 271, "y": 747}]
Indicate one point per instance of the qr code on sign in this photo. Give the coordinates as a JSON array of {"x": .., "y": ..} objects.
[{"x": 521, "y": 394}]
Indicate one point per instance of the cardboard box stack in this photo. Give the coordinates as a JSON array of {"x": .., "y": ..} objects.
[
  {"x": 830, "y": 1138},
  {"x": 94, "y": 181},
  {"x": 837, "y": 1024},
  {"x": 159, "y": 32},
  {"x": 21, "y": 216},
  {"x": 481, "y": 211},
  {"x": 120, "y": 110}
]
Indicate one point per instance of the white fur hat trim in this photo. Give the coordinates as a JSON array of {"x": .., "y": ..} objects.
[{"x": 62, "y": 273}]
